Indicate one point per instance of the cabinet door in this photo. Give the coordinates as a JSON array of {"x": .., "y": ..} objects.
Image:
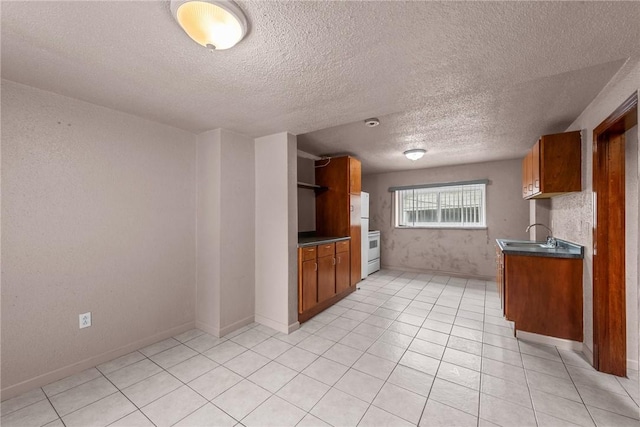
[
  {"x": 309, "y": 284},
  {"x": 342, "y": 271},
  {"x": 355, "y": 176},
  {"x": 326, "y": 278},
  {"x": 535, "y": 169},
  {"x": 560, "y": 163},
  {"x": 525, "y": 176}
]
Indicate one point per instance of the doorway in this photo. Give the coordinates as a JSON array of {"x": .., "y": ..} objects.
[{"x": 609, "y": 284}]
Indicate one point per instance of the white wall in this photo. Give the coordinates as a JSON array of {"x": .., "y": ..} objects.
[
  {"x": 237, "y": 252},
  {"x": 208, "y": 215},
  {"x": 450, "y": 251},
  {"x": 276, "y": 231},
  {"x": 572, "y": 215},
  {"x": 97, "y": 215},
  {"x": 539, "y": 213},
  {"x": 225, "y": 231}
]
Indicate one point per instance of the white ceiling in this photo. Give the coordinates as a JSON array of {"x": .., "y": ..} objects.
[{"x": 468, "y": 81}]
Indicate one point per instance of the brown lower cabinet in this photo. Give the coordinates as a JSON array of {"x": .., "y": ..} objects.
[
  {"x": 500, "y": 276},
  {"x": 542, "y": 295},
  {"x": 308, "y": 280},
  {"x": 326, "y": 277},
  {"x": 323, "y": 277},
  {"x": 342, "y": 266}
]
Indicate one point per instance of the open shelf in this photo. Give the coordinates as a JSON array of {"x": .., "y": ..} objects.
[{"x": 311, "y": 186}]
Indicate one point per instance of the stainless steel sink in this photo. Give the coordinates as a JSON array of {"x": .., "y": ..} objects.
[{"x": 528, "y": 245}]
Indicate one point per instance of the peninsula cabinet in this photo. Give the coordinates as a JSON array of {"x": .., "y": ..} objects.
[
  {"x": 500, "y": 276},
  {"x": 553, "y": 166},
  {"x": 542, "y": 295}
]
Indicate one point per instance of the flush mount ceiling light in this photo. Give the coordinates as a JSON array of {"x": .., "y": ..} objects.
[
  {"x": 215, "y": 24},
  {"x": 414, "y": 154}
]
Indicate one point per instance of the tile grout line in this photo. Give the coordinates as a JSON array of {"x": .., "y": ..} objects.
[
  {"x": 398, "y": 363},
  {"x": 380, "y": 298},
  {"x": 127, "y": 397},
  {"x": 439, "y": 361},
  {"x": 365, "y": 352},
  {"x": 54, "y": 408}
]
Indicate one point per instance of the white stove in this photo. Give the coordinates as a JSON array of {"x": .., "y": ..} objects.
[{"x": 374, "y": 252}]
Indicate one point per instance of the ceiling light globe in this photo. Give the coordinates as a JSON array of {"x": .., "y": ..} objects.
[
  {"x": 414, "y": 154},
  {"x": 213, "y": 24}
]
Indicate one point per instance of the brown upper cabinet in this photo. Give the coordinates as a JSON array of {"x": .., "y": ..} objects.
[
  {"x": 355, "y": 176},
  {"x": 553, "y": 166},
  {"x": 340, "y": 174},
  {"x": 338, "y": 207}
]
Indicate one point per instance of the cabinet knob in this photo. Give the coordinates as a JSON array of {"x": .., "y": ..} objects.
[
  {"x": 316, "y": 266},
  {"x": 334, "y": 261}
]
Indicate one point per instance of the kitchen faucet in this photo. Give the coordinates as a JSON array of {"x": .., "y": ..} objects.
[{"x": 551, "y": 241}]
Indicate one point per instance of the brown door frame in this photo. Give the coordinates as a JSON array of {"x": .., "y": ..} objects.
[{"x": 609, "y": 317}]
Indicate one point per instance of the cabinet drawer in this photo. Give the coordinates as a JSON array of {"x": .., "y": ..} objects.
[
  {"x": 309, "y": 253},
  {"x": 326, "y": 249},
  {"x": 342, "y": 246}
]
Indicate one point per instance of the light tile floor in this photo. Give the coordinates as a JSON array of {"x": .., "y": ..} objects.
[{"x": 405, "y": 349}]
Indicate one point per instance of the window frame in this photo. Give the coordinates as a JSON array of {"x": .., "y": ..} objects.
[{"x": 439, "y": 189}]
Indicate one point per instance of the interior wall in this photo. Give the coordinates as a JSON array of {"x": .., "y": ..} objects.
[
  {"x": 573, "y": 214},
  {"x": 276, "y": 231},
  {"x": 237, "y": 252},
  {"x": 97, "y": 216},
  {"x": 292, "y": 232},
  {"x": 209, "y": 183},
  {"x": 539, "y": 213},
  {"x": 225, "y": 231},
  {"x": 459, "y": 251},
  {"x": 306, "y": 197}
]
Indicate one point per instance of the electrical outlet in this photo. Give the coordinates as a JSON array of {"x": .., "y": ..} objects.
[{"x": 85, "y": 320}]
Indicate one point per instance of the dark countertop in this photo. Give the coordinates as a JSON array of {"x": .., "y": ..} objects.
[
  {"x": 526, "y": 247},
  {"x": 319, "y": 240}
]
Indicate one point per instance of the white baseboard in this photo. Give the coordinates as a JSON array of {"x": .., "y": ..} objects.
[
  {"x": 587, "y": 353},
  {"x": 280, "y": 327},
  {"x": 294, "y": 326},
  {"x": 631, "y": 364},
  {"x": 235, "y": 326},
  {"x": 218, "y": 331},
  {"x": 439, "y": 272},
  {"x": 211, "y": 330},
  {"x": 543, "y": 339},
  {"x": 74, "y": 368}
]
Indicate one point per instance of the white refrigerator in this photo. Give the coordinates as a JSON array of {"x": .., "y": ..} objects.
[{"x": 364, "y": 233}]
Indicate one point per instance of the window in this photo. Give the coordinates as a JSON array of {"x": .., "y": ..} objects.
[{"x": 452, "y": 205}]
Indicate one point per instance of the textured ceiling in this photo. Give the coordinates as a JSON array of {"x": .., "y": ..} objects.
[{"x": 468, "y": 81}]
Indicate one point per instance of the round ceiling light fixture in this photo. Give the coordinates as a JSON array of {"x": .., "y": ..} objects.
[
  {"x": 372, "y": 122},
  {"x": 414, "y": 154},
  {"x": 214, "y": 24}
]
